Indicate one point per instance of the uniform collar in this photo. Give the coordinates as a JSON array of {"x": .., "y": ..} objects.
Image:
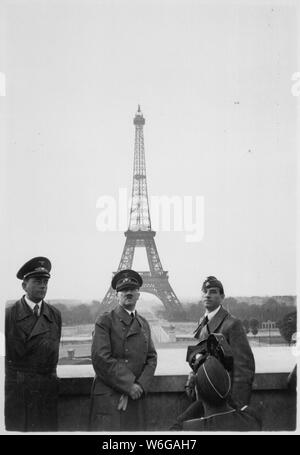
[
  {"x": 216, "y": 319},
  {"x": 212, "y": 313},
  {"x": 23, "y": 310},
  {"x": 32, "y": 304},
  {"x": 124, "y": 315},
  {"x": 129, "y": 312}
]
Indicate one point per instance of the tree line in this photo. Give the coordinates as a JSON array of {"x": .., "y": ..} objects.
[
  {"x": 270, "y": 310},
  {"x": 251, "y": 315},
  {"x": 80, "y": 314}
]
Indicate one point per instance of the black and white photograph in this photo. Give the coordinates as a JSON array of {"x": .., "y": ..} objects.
[{"x": 148, "y": 195}]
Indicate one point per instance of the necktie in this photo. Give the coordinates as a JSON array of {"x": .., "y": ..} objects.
[
  {"x": 132, "y": 315},
  {"x": 36, "y": 311},
  {"x": 202, "y": 324},
  {"x": 205, "y": 321},
  {"x": 206, "y": 324}
]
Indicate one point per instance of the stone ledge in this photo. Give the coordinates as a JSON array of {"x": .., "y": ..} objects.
[{"x": 172, "y": 384}]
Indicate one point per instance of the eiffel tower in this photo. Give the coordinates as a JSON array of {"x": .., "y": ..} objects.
[{"x": 140, "y": 234}]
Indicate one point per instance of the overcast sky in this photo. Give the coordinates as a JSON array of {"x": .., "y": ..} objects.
[{"x": 214, "y": 83}]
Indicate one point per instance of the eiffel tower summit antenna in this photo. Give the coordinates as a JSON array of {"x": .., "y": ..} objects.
[{"x": 141, "y": 235}]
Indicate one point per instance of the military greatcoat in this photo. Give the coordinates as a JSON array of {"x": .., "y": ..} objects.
[
  {"x": 123, "y": 353},
  {"x": 243, "y": 360},
  {"x": 32, "y": 349}
]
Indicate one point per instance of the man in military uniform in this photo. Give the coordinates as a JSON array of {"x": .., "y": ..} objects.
[
  {"x": 217, "y": 320},
  {"x": 124, "y": 359},
  {"x": 213, "y": 385},
  {"x": 32, "y": 335}
]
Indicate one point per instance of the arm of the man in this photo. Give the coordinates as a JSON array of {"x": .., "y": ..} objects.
[
  {"x": 7, "y": 320},
  {"x": 150, "y": 365},
  {"x": 8, "y": 345},
  {"x": 59, "y": 322},
  {"x": 244, "y": 365},
  {"x": 112, "y": 371},
  {"x": 59, "y": 325}
]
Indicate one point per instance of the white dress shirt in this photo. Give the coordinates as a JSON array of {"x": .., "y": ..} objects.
[
  {"x": 129, "y": 312},
  {"x": 32, "y": 304},
  {"x": 212, "y": 313}
]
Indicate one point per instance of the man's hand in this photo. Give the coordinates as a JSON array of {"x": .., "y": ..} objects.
[
  {"x": 136, "y": 392},
  {"x": 190, "y": 385}
]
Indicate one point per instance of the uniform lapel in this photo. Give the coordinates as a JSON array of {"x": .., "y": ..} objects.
[
  {"x": 213, "y": 325},
  {"x": 42, "y": 324},
  {"x": 203, "y": 333},
  {"x": 24, "y": 316},
  {"x": 134, "y": 326},
  {"x": 217, "y": 320},
  {"x": 199, "y": 328},
  {"x": 46, "y": 312},
  {"x": 123, "y": 315}
]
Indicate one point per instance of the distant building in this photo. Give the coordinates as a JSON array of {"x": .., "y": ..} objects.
[{"x": 268, "y": 325}]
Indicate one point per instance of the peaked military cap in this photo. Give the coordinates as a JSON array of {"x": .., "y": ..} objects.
[
  {"x": 39, "y": 266},
  {"x": 126, "y": 279},
  {"x": 212, "y": 282}
]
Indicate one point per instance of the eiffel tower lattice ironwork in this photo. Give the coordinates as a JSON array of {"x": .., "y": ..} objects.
[{"x": 140, "y": 234}]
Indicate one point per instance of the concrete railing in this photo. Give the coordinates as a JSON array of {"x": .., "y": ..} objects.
[{"x": 167, "y": 399}]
